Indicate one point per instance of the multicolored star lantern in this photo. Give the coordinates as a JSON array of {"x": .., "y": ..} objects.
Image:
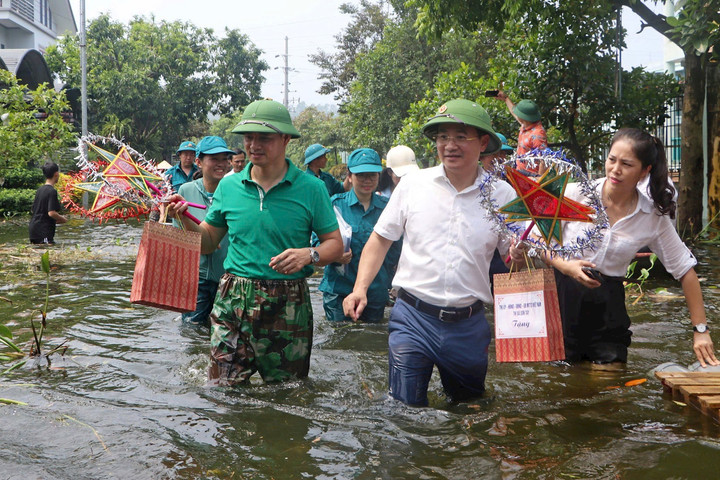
[
  {"x": 124, "y": 187},
  {"x": 543, "y": 201}
]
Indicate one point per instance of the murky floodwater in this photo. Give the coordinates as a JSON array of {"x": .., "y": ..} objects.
[{"x": 128, "y": 398}]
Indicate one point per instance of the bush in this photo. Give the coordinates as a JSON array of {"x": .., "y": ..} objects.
[
  {"x": 16, "y": 200},
  {"x": 23, "y": 178}
]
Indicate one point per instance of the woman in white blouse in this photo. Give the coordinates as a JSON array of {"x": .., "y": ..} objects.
[{"x": 596, "y": 325}]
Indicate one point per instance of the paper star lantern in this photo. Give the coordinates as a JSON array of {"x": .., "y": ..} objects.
[
  {"x": 120, "y": 185},
  {"x": 543, "y": 202}
]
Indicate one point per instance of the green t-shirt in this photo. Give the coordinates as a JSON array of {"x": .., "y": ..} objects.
[{"x": 263, "y": 224}]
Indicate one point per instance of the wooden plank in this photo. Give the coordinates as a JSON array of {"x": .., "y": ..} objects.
[
  {"x": 699, "y": 389},
  {"x": 710, "y": 401},
  {"x": 710, "y": 405},
  {"x": 663, "y": 375},
  {"x": 673, "y": 379},
  {"x": 677, "y": 381}
]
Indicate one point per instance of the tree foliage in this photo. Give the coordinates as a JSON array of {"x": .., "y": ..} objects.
[
  {"x": 151, "y": 82},
  {"x": 363, "y": 32},
  {"x": 32, "y": 127},
  {"x": 398, "y": 71},
  {"x": 696, "y": 29},
  {"x": 561, "y": 55},
  {"x": 317, "y": 127}
]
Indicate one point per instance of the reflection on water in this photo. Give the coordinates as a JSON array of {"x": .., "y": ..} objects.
[{"x": 128, "y": 399}]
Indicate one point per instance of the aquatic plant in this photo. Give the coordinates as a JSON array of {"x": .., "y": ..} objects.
[
  {"x": 710, "y": 234},
  {"x": 637, "y": 283},
  {"x": 36, "y": 347},
  {"x": 15, "y": 353}
]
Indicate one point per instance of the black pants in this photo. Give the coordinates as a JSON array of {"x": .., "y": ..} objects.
[{"x": 596, "y": 325}]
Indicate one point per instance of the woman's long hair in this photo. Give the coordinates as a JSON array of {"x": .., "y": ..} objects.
[
  {"x": 386, "y": 181},
  {"x": 651, "y": 151}
]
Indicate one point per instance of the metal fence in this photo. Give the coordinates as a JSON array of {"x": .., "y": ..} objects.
[{"x": 669, "y": 133}]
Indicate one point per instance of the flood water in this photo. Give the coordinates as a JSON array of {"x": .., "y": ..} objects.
[{"x": 128, "y": 401}]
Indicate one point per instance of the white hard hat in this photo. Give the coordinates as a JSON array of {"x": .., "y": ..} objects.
[{"x": 401, "y": 160}]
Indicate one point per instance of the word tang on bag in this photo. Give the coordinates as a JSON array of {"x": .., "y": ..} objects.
[{"x": 528, "y": 327}]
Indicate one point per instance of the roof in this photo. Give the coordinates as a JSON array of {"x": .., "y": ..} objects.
[
  {"x": 63, "y": 16},
  {"x": 28, "y": 65}
]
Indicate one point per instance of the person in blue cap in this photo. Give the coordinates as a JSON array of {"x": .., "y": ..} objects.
[
  {"x": 315, "y": 161},
  {"x": 185, "y": 169},
  {"x": 500, "y": 155},
  {"x": 360, "y": 208},
  {"x": 212, "y": 160}
]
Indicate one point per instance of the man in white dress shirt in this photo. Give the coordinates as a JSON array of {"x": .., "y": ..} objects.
[{"x": 442, "y": 278}]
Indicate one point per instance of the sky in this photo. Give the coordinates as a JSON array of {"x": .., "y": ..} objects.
[{"x": 310, "y": 25}]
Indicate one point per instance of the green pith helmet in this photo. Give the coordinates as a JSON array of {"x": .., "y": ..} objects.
[
  {"x": 266, "y": 116},
  {"x": 464, "y": 112},
  {"x": 527, "y": 110}
]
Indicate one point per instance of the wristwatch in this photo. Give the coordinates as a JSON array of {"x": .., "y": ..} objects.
[
  {"x": 314, "y": 256},
  {"x": 701, "y": 328}
]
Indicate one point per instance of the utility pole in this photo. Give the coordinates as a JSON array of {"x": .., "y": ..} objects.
[
  {"x": 83, "y": 70},
  {"x": 287, "y": 69}
]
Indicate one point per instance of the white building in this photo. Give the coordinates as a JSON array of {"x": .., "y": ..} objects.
[{"x": 27, "y": 28}]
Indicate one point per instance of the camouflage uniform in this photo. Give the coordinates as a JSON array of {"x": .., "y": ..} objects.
[{"x": 260, "y": 325}]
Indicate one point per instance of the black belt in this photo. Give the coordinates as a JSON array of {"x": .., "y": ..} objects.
[{"x": 445, "y": 314}]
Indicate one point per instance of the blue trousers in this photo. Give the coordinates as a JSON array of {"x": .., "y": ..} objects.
[
  {"x": 419, "y": 341},
  {"x": 332, "y": 304},
  {"x": 207, "y": 289}
]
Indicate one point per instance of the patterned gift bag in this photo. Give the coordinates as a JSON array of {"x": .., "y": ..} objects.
[
  {"x": 167, "y": 268},
  {"x": 528, "y": 327}
]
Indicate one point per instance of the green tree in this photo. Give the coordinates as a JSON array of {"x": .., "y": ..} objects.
[
  {"x": 568, "y": 67},
  {"x": 32, "y": 127},
  {"x": 222, "y": 127},
  {"x": 317, "y": 127},
  {"x": 338, "y": 69},
  {"x": 155, "y": 83},
  {"x": 694, "y": 29},
  {"x": 398, "y": 71},
  {"x": 238, "y": 71}
]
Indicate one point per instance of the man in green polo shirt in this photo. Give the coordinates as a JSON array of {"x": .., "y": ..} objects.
[
  {"x": 262, "y": 317},
  {"x": 315, "y": 161}
]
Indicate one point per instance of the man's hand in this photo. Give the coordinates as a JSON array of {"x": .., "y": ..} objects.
[
  {"x": 346, "y": 257},
  {"x": 354, "y": 304},
  {"x": 290, "y": 261}
]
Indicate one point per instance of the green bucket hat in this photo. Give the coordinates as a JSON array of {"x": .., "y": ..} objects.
[
  {"x": 527, "y": 110},
  {"x": 186, "y": 146},
  {"x": 464, "y": 112},
  {"x": 211, "y": 145},
  {"x": 266, "y": 116},
  {"x": 315, "y": 151}
]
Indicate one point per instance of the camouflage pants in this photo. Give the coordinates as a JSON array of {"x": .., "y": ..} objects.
[{"x": 263, "y": 326}]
